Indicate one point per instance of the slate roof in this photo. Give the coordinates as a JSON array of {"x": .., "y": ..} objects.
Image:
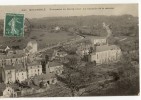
[
  {"x": 45, "y": 76},
  {"x": 17, "y": 55},
  {"x": 9, "y": 67},
  {"x": 106, "y": 47},
  {"x": 34, "y": 63}
]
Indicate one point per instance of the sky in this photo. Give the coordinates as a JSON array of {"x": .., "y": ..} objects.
[{"x": 39, "y": 11}]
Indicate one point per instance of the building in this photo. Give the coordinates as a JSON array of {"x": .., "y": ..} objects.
[
  {"x": 84, "y": 49},
  {"x": 54, "y": 67},
  {"x": 21, "y": 73},
  {"x": 8, "y": 74},
  {"x": 105, "y": 54},
  {"x": 12, "y": 59},
  {"x": 98, "y": 40},
  {"x": 11, "y": 74},
  {"x": 4, "y": 48},
  {"x": 31, "y": 47},
  {"x": 57, "y": 28},
  {"x": 7, "y": 91},
  {"x": 34, "y": 68},
  {"x": 45, "y": 79}
]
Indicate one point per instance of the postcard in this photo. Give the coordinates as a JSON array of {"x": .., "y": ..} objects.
[{"x": 69, "y": 50}]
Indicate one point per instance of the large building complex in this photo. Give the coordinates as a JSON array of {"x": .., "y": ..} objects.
[{"x": 105, "y": 54}]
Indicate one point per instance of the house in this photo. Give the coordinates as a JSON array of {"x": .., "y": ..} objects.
[
  {"x": 105, "y": 54},
  {"x": 31, "y": 47},
  {"x": 45, "y": 79},
  {"x": 34, "y": 68},
  {"x": 98, "y": 40},
  {"x": 4, "y": 48},
  {"x": 8, "y": 74},
  {"x": 57, "y": 28},
  {"x": 12, "y": 59},
  {"x": 84, "y": 49},
  {"x": 21, "y": 73},
  {"x": 54, "y": 67},
  {"x": 7, "y": 91},
  {"x": 11, "y": 74}
]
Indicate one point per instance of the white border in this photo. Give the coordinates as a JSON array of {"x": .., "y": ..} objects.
[
  {"x": 44, "y": 2},
  {"x": 49, "y": 2}
]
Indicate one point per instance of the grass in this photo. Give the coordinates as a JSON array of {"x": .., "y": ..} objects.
[{"x": 43, "y": 38}]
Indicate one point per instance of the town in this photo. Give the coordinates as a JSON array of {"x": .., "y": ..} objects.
[
  {"x": 23, "y": 71},
  {"x": 82, "y": 65}
]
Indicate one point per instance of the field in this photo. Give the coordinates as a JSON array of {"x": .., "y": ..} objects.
[{"x": 43, "y": 38}]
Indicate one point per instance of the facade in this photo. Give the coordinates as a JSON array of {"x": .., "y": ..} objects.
[
  {"x": 34, "y": 68},
  {"x": 21, "y": 73},
  {"x": 99, "y": 40},
  {"x": 8, "y": 74},
  {"x": 46, "y": 79},
  {"x": 54, "y": 67},
  {"x": 8, "y": 90},
  {"x": 105, "y": 54},
  {"x": 11, "y": 74},
  {"x": 84, "y": 49},
  {"x": 12, "y": 59}
]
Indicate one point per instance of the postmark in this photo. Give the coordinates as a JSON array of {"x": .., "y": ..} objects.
[{"x": 14, "y": 25}]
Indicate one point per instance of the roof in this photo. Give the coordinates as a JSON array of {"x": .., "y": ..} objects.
[
  {"x": 20, "y": 67},
  {"x": 53, "y": 64},
  {"x": 45, "y": 76},
  {"x": 8, "y": 67},
  {"x": 3, "y": 87},
  {"x": 17, "y": 55},
  {"x": 33, "y": 63},
  {"x": 106, "y": 47},
  {"x": 28, "y": 48},
  {"x": 3, "y": 47},
  {"x": 95, "y": 37}
]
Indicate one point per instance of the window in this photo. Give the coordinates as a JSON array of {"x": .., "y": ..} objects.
[
  {"x": 97, "y": 56},
  {"x": 48, "y": 82}
]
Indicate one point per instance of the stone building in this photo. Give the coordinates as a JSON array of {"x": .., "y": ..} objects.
[
  {"x": 54, "y": 67},
  {"x": 98, "y": 40},
  {"x": 105, "y": 54},
  {"x": 8, "y": 74},
  {"x": 21, "y": 73},
  {"x": 34, "y": 68}
]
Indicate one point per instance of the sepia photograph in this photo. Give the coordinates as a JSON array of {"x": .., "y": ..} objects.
[{"x": 69, "y": 50}]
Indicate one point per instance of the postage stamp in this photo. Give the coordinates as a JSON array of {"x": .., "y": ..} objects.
[{"x": 14, "y": 25}]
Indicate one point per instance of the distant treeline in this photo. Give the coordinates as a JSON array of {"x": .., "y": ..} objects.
[{"x": 92, "y": 25}]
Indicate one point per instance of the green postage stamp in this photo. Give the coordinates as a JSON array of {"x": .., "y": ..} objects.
[{"x": 14, "y": 25}]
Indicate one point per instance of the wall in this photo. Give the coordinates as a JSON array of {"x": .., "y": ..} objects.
[{"x": 21, "y": 75}]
